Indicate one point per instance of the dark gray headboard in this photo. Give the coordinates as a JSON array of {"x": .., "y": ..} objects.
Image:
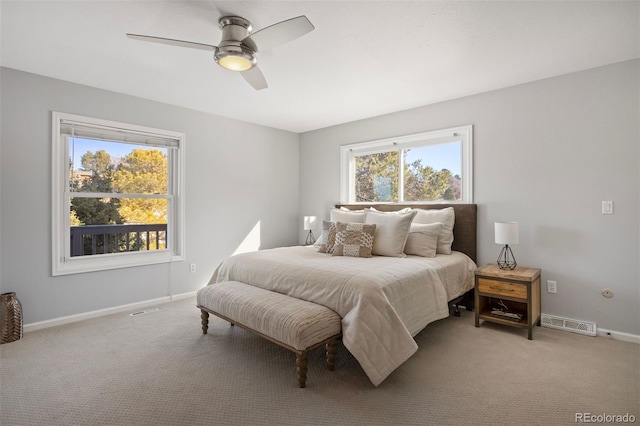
[{"x": 464, "y": 230}]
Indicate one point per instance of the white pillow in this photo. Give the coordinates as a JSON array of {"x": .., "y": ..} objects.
[
  {"x": 405, "y": 210},
  {"x": 447, "y": 217},
  {"x": 322, "y": 239},
  {"x": 347, "y": 216},
  {"x": 392, "y": 231},
  {"x": 423, "y": 239}
]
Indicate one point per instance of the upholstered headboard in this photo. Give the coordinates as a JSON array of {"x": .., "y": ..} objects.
[{"x": 464, "y": 229}]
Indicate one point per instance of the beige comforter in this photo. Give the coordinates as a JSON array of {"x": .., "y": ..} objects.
[{"x": 383, "y": 301}]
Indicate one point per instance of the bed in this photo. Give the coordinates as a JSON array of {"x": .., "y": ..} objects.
[{"x": 384, "y": 301}]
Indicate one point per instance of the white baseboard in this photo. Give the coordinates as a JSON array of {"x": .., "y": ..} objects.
[
  {"x": 618, "y": 335},
  {"x": 103, "y": 312}
]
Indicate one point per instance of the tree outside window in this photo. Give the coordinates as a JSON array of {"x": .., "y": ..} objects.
[
  {"x": 428, "y": 167},
  {"x": 142, "y": 171},
  {"x": 116, "y": 194}
]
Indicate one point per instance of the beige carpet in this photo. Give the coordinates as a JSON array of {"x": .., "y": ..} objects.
[{"x": 158, "y": 369}]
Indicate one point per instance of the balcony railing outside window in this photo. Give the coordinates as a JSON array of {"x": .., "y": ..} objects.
[{"x": 103, "y": 239}]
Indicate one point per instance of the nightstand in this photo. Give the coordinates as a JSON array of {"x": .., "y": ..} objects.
[{"x": 510, "y": 297}]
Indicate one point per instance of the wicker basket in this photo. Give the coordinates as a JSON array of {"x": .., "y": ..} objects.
[{"x": 10, "y": 318}]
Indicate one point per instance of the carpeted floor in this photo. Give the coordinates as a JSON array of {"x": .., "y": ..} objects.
[{"x": 159, "y": 369}]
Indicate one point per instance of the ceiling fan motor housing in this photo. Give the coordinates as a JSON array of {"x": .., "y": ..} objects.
[{"x": 231, "y": 53}]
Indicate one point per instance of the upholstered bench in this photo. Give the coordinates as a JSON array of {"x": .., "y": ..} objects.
[{"x": 294, "y": 324}]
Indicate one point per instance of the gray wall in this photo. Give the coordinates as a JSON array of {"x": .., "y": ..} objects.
[
  {"x": 545, "y": 154},
  {"x": 232, "y": 169}
]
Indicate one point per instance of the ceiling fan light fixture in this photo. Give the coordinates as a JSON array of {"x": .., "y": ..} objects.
[
  {"x": 235, "y": 63},
  {"x": 235, "y": 59}
]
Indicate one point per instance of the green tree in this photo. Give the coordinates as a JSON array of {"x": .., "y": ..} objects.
[
  {"x": 455, "y": 184},
  {"x": 99, "y": 162},
  {"x": 143, "y": 171},
  {"x": 95, "y": 211},
  {"x": 377, "y": 177},
  {"x": 449, "y": 195},
  {"x": 424, "y": 183}
]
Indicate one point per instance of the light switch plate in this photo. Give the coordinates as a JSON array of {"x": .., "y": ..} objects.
[{"x": 607, "y": 207}]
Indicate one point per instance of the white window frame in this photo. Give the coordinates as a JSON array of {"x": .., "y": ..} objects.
[
  {"x": 462, "y": 134},
  {"x": 63, "y": 263}
]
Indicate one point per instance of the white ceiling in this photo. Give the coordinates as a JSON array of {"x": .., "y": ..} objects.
[{"x": 364, "y": 58}]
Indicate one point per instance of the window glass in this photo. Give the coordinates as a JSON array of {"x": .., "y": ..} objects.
[
  {"x": 376, "y": 176},
  {"x": 122, "y": 185},
  {"x": 433, "y": 173},
  {"x": 426, "y": 167}
]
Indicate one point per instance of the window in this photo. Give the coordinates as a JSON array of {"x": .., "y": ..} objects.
[
  {"x": 117, "y": 195},
  {"x": 428, "y": 167}
]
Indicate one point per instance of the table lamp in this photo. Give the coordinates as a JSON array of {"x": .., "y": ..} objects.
[
  {"x": 507, "y": 233},
  {"x": 309, "y": 223}
]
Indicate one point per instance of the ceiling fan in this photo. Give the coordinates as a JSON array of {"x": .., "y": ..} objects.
[{"x": 238, "y": 47}]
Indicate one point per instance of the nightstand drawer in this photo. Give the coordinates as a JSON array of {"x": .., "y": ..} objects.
[{"x": 502, "y": 288}]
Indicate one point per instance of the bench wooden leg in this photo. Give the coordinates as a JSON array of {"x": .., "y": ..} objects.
[
  {"x": 301, "y": 362},
  {"x": 331, "y": 353},
  {"x": 205, "y": 321}
]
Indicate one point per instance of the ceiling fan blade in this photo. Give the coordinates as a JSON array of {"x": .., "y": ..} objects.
[
  {"x": 279, "y": 33},
  {"x": 170, "y": 41},
  {"x": 255, "y": 78}
]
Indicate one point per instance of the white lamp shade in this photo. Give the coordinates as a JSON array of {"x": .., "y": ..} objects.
[
  {"x": 309, "y": 222},
  {"x": 507, "y": 233}
]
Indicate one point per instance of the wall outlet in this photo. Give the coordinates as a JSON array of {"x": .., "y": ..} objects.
[
  {"x": 552, "y": 286},
  {"x": 192, "y": 268}
]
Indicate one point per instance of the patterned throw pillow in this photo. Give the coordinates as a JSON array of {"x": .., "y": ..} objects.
[
  {"x": 328, "y": 237},
  {"x": 354, "y": 239}
]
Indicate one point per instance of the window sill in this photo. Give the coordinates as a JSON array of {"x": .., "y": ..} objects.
[{"x": 84, "y": 264}]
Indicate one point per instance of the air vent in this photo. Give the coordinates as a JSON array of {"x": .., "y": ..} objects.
[
  {"x": 146, "y": 311},
  {"x": 566, "y": 324}
]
